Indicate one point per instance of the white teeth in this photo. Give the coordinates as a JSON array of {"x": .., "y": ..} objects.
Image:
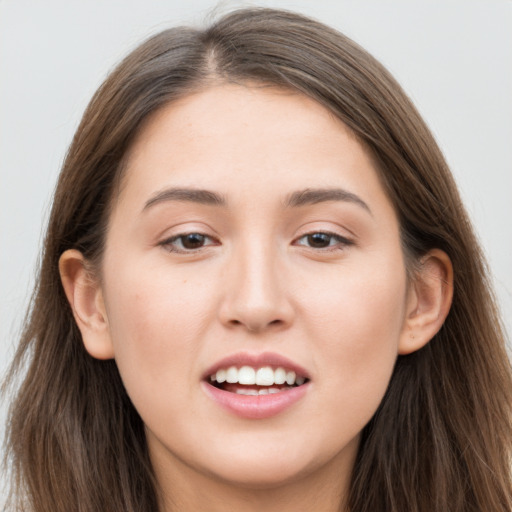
[
  {"x": 252, "y": 392},
  {"x": 246, "y": 375},
  {"x": 290, "y": 378},
  {"x": 265, "y": 376},
  {"x": 279, "y": 376},
  {"x": 256, "y": 392},
  {"x": 232, "y": 375}
]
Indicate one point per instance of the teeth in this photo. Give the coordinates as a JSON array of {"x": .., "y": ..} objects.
[
  {"x": 232, "y": 375},
  {"x": 290, "y": 378},
  {"x": 252, "y": 392},
  {"x": 280, "y": 376},
  {"x": 246, "y": 375},
  {"x": 264, "y": 376},
  {"x": 255, "y": 392}
]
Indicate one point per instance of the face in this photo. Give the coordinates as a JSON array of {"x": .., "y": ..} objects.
[{"x": 251, "y": 231}]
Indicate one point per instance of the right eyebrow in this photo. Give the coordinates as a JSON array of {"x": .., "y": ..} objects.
[{"x": 192, "y": 195}]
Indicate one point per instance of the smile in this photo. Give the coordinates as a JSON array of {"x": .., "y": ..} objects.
[
  {"x": 262, "y": 387},
  {"x": 256, "y": 381}
]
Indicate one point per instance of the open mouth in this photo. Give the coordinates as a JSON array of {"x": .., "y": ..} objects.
[{"x": 250, "y": 381}]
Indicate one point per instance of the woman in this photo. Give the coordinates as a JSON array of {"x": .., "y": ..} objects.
[{"x": 259, "y": 290}]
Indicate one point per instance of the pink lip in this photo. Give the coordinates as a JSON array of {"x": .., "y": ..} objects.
[
  {"x": 255, "y": 407},
  {"x": 260, "y": 406},
  {"x": 256, "y": 361}
]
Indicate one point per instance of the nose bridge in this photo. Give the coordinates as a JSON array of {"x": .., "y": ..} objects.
[{"x": 255, "y": 296}]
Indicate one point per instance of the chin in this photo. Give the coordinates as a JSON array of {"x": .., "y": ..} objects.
[
  {"x": 264, "y": 476},
  {"x": 276, "y": 467}
]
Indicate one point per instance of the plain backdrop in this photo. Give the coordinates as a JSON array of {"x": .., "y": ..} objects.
[{"x": 453, "y": 57}]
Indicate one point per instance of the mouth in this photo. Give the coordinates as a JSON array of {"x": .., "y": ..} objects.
[
  {"x": 259, "y": 380},
  {"x": 256, "y": 386}
]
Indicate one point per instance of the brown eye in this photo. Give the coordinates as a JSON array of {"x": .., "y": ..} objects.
[
  {"x": 319, "y": 240},
  {"x": 323, "y": 240},
  {"x": 192, "y": 240},
  {"x": 187, "y": 242}
]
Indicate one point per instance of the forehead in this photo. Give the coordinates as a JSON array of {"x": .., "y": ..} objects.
[{"x": 247, "y": 138}]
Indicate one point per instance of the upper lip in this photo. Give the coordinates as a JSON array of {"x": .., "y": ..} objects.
[{"x": 256, "y": 361}]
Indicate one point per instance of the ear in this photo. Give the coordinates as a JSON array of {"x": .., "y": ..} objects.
[
  {"x": 428, "y": 303},
  {"x": 85, "y": 296}
]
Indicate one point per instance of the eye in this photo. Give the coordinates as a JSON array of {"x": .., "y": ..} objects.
[
  {"x": 323, "y": 240},
  {"x": 187, "y": 242}
]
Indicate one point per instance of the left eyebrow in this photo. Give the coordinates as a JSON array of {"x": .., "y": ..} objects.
[{"x": 320, "y": 195}]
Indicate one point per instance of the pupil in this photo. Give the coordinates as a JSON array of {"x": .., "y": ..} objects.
[
  {"x": 192, "y": 241},
  {"x": 319, "y": 240}
]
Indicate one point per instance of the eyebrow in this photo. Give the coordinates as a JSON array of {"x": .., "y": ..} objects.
[
  {"x": 186, "y": 194},
  {"x": 320, "y": 195},
  {"x": 297, "y": 199}
]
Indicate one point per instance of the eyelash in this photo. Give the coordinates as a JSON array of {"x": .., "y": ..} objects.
[
  {"x": 340, "y": 242},
  {"x": 169, "y": 243}
]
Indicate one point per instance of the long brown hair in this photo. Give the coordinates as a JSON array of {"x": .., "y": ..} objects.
[{"x": 442, "y": 437}]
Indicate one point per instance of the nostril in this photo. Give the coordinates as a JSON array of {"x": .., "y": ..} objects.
[{"x": 256, "y": 327}]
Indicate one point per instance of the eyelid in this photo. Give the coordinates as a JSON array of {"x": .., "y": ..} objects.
[
  {"x": 326, "y": 222},
  {"x": 166, "y": 243},
  {"x": 342, "y": 241}
]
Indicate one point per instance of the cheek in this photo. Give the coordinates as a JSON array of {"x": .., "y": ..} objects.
[
  {"x": 360, "y": 305},
  {"x": 357, "y": 326},
  {"x": 156, "y": 323}
]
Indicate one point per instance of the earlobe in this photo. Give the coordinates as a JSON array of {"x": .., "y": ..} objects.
[
  {"x": 86, "y": 300},
  {"x": 429, "y": 301}
]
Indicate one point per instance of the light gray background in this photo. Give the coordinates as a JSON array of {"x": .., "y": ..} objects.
[{"x": 453, "y": 57}]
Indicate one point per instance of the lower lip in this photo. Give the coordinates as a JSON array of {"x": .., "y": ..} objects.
[{"x": 256, "y": 407}]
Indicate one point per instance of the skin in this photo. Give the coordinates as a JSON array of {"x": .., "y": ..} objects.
[{"x": 166, "y": 313}]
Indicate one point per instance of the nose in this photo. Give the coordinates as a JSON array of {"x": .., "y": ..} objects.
[{"x": 256, "y": 296}]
